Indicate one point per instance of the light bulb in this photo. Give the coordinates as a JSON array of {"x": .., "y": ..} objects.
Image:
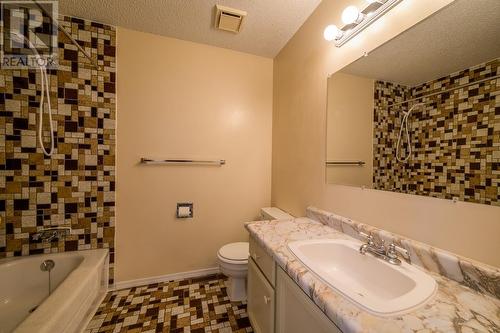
[
  {"x": 332, "y": 32},
  {"x": 351, "y": 15}
]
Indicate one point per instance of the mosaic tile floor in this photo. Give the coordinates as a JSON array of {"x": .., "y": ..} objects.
[{"x": 193, "y": 305}]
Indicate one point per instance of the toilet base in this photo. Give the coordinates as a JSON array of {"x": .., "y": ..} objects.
[{"x": 236, "y": 289}]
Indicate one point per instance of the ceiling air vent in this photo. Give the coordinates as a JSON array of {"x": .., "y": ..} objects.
[{"x": 229, "y": 19}]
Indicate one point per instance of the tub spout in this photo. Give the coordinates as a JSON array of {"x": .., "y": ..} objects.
[{"x": 50, "y": 234}]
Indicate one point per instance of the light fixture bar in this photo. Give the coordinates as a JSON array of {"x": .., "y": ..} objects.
[
  {"x": 373, "y": 6},
  {"x": 368, "y": 19}
]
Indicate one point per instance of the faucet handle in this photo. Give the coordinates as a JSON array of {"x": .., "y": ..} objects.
[
  {"x": 365, "y": 235},
  {"x": 369, "y": 237},
  {"x": 393, "y": 251}
]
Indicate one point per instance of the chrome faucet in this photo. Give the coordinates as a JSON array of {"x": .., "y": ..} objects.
[
  {"x": 372, "y": 247},
  {"x": 390, "y": 254},
  {"x": 50, "y": 234}
]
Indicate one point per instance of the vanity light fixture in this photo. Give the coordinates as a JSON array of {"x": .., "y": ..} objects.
[
  {"x": 351, "y": 15},
  {"x": 332, "y": 32},
  {"x": 356, "y": 21}
]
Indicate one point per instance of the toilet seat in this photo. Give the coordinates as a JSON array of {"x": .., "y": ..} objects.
[
  {"x": 233, "y": 263},
  {"x": 234, "y": 253}
]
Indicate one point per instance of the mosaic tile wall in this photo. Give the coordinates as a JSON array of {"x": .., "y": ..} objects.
[
  {"x": 76, "y": 186},
  {"x": 455, "y": 138}
]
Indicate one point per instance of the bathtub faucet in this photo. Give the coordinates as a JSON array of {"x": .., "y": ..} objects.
[{"x": 50, "y": 234}]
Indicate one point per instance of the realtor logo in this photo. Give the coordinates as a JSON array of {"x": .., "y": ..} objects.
[{"x": 28, "y": 34}]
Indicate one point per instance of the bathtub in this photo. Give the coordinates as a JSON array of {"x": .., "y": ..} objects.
[{"x": 78, "y": 283}]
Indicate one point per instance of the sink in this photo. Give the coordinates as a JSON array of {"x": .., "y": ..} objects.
[{"x": 372, "y": 283}]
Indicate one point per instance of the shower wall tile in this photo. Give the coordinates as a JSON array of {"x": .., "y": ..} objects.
[
  {"x": 76, "y": 186},
  {"x": 455, "y": 137},
  {"x": 386, "y": 171}
]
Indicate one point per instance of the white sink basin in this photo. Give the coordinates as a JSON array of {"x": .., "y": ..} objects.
[{"x": 377, "y": 286}]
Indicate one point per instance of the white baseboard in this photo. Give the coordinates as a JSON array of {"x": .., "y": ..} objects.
[{"x": 164, "y": 278}]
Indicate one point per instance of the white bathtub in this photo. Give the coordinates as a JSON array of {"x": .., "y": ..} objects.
[{"x": 79, "y": 282}]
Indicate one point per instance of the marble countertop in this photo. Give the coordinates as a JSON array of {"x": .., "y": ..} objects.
[{"x": 454, "y": 308}]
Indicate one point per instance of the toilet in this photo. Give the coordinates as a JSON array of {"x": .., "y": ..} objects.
[{"x": 233, "y": 259}]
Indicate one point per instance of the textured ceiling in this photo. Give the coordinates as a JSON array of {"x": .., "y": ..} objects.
[
  {"x": 266, "y": 29},
  {"x": 461, "y": 35}
]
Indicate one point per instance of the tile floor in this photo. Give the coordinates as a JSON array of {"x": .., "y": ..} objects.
[{"x": 192, "y": 305}]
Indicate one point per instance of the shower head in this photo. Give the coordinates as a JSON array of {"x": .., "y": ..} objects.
[
  {"x": 407, "y": 113},
  {"x": 45, "y": 88},
  {"x": 404, "y": 124}
]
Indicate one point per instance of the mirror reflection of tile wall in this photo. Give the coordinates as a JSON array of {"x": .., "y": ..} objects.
[
  {"x": 455, "y": 138},
  {"x": 420, "y": 114}
]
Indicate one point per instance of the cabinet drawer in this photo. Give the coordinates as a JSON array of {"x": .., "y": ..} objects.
[
  {"x": 263, "y": 260},
  {"x": 260, "y": 300}
]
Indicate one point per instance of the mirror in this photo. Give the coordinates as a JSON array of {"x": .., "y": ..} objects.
[{"x": 421, "y": 113}]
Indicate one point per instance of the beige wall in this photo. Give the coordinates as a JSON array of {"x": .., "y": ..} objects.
[
  {"x": 349, "y": 129},
  {"x": 182, "y": 100},
  {"x": 299, "y": 123}
]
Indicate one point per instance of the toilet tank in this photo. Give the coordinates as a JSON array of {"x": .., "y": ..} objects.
[{"x": 274, "y": 213}]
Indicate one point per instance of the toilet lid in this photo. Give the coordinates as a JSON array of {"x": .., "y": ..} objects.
[{"x": 235, "y": 251}]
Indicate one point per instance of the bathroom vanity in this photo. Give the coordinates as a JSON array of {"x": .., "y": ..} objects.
[
  {"x": 285, "y": 295},
  {"x": 275, "y": 299}
]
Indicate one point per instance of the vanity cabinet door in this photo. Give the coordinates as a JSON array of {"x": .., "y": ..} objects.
[
  {"x": 260, "y": 300},
  {"x": 295, "y": 312},
  {"x": 263, "y": 260}
]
